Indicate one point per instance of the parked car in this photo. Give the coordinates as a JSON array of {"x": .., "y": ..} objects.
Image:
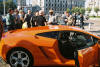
[{"x": 50, "y": 46}]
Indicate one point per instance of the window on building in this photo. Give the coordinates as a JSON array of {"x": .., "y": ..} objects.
[
  {"x": 52, "y": 5},
  {"x": 55, "y": 5},
  {"x": 49, "y": 4},
  {"x": 46, "y": 8},
  {"x": 46, "y": 5},
  {"x": 58, "y": 0}
]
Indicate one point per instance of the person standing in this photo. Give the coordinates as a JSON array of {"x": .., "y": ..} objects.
[
  {"x": 34, "y": 19},
  {"x": 81, "y": 21},
  {"x": 52, "y": 18},
  {"x": 65, "y": 17},
  {"x": 10, "y": 20},
  {"x": 41, "y": 21},
  {"x": 21, "y": 15},
  {"x": 28, "y": 18},
  {"x": 17, "y": 19},
  {"x": 1, "y": 28},
  {"x": 69, "y": 20},
  {"x": 75, "y": 18}
]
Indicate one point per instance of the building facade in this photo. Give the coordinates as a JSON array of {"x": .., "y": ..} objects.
[
  {"x": 59, "y": 6},
  {"x": 21, "y": 3},
  {"x": 92, "y": 4}
]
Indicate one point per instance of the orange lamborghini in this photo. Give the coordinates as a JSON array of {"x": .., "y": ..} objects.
[{"x": 50, "y": 46}]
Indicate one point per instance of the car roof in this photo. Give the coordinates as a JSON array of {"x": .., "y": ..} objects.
[{"x": 41, "y": 29}]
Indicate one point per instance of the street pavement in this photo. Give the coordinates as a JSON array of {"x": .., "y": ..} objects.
[{"x": 91, "y": 25}]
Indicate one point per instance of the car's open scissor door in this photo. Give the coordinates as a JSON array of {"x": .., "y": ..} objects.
[{"x": 87, "y": 56}]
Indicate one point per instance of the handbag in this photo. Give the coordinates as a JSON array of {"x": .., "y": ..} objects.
[{"x": 24, "y": 26}]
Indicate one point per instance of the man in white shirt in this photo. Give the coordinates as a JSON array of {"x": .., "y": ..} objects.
[{"x": 52, "y": 18}]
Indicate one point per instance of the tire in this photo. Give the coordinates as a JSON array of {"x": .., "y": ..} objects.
[{"x": 19, "y": 57}]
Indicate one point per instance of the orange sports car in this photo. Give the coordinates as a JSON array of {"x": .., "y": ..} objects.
[{"x": 50, "y": 46}]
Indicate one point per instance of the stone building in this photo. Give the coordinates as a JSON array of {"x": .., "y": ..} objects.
[
  {"x": 59, "y": 6},
  {"x": 92, "y": 4}
]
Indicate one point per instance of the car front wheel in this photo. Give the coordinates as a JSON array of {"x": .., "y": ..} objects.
[{"x": 19, "y": 57}]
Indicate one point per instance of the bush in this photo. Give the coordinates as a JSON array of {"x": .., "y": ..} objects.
[
  {"x": 82, "y": 10},
  {"x": 96, "y": 9},
  {"x": 77, "y": 9},
  {"x": 88, "y": 9}
]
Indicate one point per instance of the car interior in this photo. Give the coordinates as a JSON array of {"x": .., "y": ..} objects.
[{"x": 70, "y": 41}]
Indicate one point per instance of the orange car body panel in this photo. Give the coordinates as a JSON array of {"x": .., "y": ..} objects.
[{"x": 44, "y": 50}]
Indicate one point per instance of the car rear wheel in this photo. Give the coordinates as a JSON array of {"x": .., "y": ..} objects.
[{"x": 19, "y": 57}]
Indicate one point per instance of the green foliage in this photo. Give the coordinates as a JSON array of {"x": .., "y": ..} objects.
[
  {"x": 82, "y": 10},
  {"x": 68, "y": 10},
  {"x": 88, "y": 9},
  {"x": 96, "y": 9},
  {"x": 72, "y": 10},
  {"x": 94, "y": 17},
  {"x": 77, "y": 9}
]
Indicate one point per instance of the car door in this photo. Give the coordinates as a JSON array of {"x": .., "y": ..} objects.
[
  {"x": 84, "y": 45},
  {"x": 48, "y": 40},
  {"x": 87, "y": 49}
]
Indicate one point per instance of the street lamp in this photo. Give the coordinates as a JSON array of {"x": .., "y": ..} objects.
[
  {"x": 71, "y": 4},
  {"x": 4, "y": 6}
]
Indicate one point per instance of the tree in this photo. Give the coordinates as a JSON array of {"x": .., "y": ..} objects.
[
  {"x": 68, "y": 10},
  {"x": 88, "y": 9},
  {"x": 76, "y": 9},
  {"x": 82, "y": 10},
  {"x": 72, "y": 10},
  {"x": 96, "y": 9}
]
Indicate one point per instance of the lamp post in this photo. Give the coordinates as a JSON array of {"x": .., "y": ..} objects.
[
  {"x": 4, "y": 7},
  {"x": 71, "y": 4}
]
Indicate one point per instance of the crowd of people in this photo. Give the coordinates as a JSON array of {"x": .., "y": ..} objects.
[
  {"x": 72, "y": 19},
  {"x": 17, "y": 19}
]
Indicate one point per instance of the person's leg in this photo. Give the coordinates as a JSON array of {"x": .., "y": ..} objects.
[
  {"x": 29, "y": 25},
  {"x": 76, "y": 59},
  {"x": 8, "y": 27}
]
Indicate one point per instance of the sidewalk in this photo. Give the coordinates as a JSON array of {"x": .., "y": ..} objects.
[{"x": 93, "y": 26}]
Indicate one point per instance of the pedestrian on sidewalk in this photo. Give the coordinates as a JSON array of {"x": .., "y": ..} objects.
[
  {"x": 41, "y": 20},
  {"x": 17, "y": 19},
  {"x": 10, "y": 20},
  {"x": 52, "y": 18},
  {"x": 1, "y": 28},
  {"x": 21, "y": 15},
  {"x": 34, "y": 19},
  {"x": 65, "y": 17},
  {"x": 75, "y": 18},
  {"x": 81, "y": 21},
  {"x": 70, "y": 20},
  {"x": 28, "y": 18}
]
